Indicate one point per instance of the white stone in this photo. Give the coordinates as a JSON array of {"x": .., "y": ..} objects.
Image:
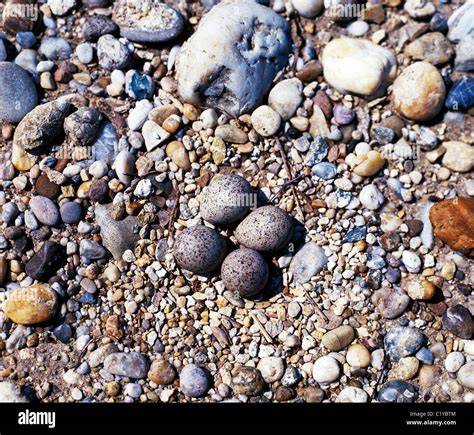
[
  {"x": 272, "y": 368},
  {"x": 10, "y": 393},
  {"x": 308, "y": 8},
  {"x": 209, "y": 118},
  {"x": 154, "y": 135},
  {"x": 265, "y": 121},
  {"x": 358, "y": 66},
  {"x": 454, "y": 361},
  {"x": 229, "y": 62},
  {"x": 469, "y": 347},
  {"x": 358, "y": 28},
  {"x": 85, "y": 53},
  {"x": 461, "y": 22},
  {"x": 61, "y": 7},
  {"x": 466, "y": 375},
  {"x": 326, "y": 370},
  {"x": 139, "y": 114},
  {"x": 371, "y": 197},
  {"x": 124, "y": 166},
  {"x": 285, "y": 97},
  {"x": 411, "y": 261},
  {"x": 352, "y": 395},
  {"x": 98, "y": 169}
]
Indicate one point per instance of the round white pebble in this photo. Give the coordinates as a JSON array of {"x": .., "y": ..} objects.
[{"x": 326, "y": 370}]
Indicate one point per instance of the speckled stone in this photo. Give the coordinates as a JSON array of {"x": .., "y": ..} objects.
[
  {"x": 458, "y": 320},
  {"x": 244, "y": 271},
  {"x": 42, "y": 125},
  {"x": 248, "y": 381},
  {"x": 199, "y": 249},
  {"x": 31, "y": 305},
  {"x": 403, "y": 341},
  {"x": 391, "y": 303},
  {"x": 17, "y": 93},
  {"x": 82, "y": 126},
  {"x": 267, "y": 228},
  {"x": 397, "y": 392},
  {"x": 162, "y": 372},
  {"x": 133, "y": 365},
  {"x": 226, "y": 199},
  {"x": 194, "y": 381}
]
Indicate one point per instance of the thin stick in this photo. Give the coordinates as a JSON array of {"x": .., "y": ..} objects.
[
  {"x": 174, "y": 211},
  {"x": 264, "y": 332},
  {"x": 316, "y": 308}
]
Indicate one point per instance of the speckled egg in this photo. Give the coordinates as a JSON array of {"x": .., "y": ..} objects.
[
  {"x": 267, "y": 228},
  {"x": 244, "y": 271},
  {"x": 226, "y": 199},
  {"x": 199, "y": 249}
]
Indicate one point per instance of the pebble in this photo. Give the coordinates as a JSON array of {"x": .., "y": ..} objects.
[
  {"x": 138, "y": 86},
  {"x": 124, "y": 166},
  {"x": 11, "y": 393},
  {"x": 249, "y": 68},
  {"x": 432, "y": 47},
  {"x": 358, "y": 356},
  {"x": 148, "y": 21},
  {"x": 307, "y": 262},
  {"x": 308, "y": 8},
  {"x": 113, "y": 53},
  {"x": 451, "y": 220},
  {"x": 368, "y": 164},
  {"x": 326, "y": 370},
  {"x": 3, "y": 51},
  {"x": 227, "y": 199},
  {"x": 265, "y": 229},
  {"x": 199, "y": 249},
  {"x": 63, "y": 333},
  {"x": 352, "y": 395},
  {"x": 42, "y": 125},
  {"x": 272, "y": 368},
  {"x": 411, "y": 261},
  {"x": 91, "y": 250},
  {"x": 46, "y": 261},
  {"x": 247, "y": 381},
  {"x": 343, "y": 115},
  {"x": 371, "y": 197},
  {"x": 117, "y": 235},
  {"x": 464, "y": 53},
  {"x": 286, "y": 97},
  {"x": 31, "y": 305},
  {"x": 461, "y": 95},
  {"x": 139, "y": 114},
  {"x": 324, "y": 170},
  {"x": 419, "y": 92},
  {"x": 318, "y": 151},
  {"x": 460, "y": 21},
  {"x": 85, "y": 53},
  {"x": 97, "y": 26},
  {"x": 82, "y": 126},
  {"x": 9, "y": 212},
  {"x": 176, "y": 151},
  {"x": 454, "y": 361},
  {"x": 132, "y": 365},
  {"x": 405, "y": 369},
  {"x": 265, "y": 121},
  {"x": 397, "y": 392},
  {"x": 244, "y": 271},
  {"x": 466, "y": 375},
  {"x": 231, "y": 133},
  {"x": 339, "y": 338},
  {"x": 358, "y": 28},
  {"x": 45, "y": 210},
  {"x": 358, "y": 66},
  {"x": 194, "y": 381},
  {"x": 17, "y": 93},
  {"x": 162, "y": 372},
  {"x": 71, "y": 212},
  {"x": 420, "y": 289},
  {"x": 391, "y": 303},
  {"x": 458, "y": 321},
  {"x": 54, "y": 48},
  {"x": 401, "y": 341}
]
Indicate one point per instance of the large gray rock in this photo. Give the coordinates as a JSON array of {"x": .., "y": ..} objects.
[
  {"x": 17, "y": 93},
  {"x": 117, "y": 236},
  {"x": 232, "y": 59}
]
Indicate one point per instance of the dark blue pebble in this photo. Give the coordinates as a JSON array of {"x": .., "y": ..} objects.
[
  {"x": 87, "y": 298},
  {"x": 383, "y": 135},
  {"x": 393, "y": 275},
  {"x": 356, "y": 234},
  {"x": 375, "y": 262},
  {"x": 139, "y": 86},
  {"x": 461, "y": 95},
  {"x": 63, "y": 333},
  {"x": 26, "y": 39},
  {"x": 425, "y": 356},
  {"x": 397, "y": 392},
  {"x": 343, "y": 198},
  {"x": 401, "y": 341},
  {"x": 438, "y": 23}
]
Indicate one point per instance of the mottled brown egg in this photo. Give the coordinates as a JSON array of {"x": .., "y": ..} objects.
[
  {"x": 199, "y": 249},
  {"x": 244, "y": 271},
  {"x": 267, "y": 228},
  {"x": 226, "y": 199}
]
